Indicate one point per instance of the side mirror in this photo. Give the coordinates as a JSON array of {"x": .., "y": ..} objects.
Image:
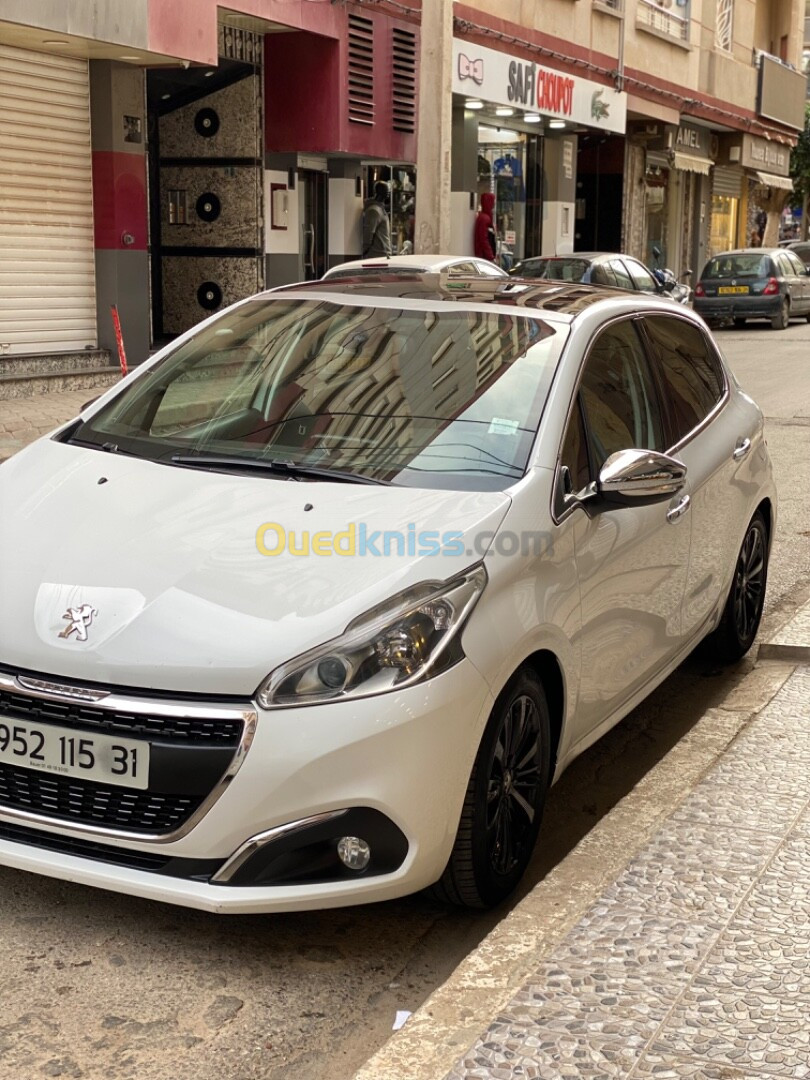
[{"x": 639, "y": 478}]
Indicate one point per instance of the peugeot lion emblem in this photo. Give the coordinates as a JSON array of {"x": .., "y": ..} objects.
[{"x": 79, "y": 619}]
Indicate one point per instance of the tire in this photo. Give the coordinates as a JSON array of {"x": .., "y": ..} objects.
[
  {"x": 781, "y": 319},
  {"x": 741, "y": 616},
  {"x": 807, "y": 316},
  {"x": 503, "y": 805},
  {"x": 739, "y": 323}
]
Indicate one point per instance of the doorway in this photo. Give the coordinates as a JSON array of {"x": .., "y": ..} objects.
[{"x": 312, "y": 197}]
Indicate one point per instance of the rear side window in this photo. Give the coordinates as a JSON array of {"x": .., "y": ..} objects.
[
  {"x": 691, "y": 373},
  {"x": 623, "y": 279},
  {"x": 601, "y": 274}
]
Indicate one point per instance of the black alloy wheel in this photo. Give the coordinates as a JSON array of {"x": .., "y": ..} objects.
[
  {"x": 504, "y": 801},
  {"x": 741, "y": 617},
  {"x": 781, "y": 319}
]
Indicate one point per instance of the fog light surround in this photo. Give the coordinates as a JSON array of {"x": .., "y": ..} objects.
[{"x": 353, "y": 852}]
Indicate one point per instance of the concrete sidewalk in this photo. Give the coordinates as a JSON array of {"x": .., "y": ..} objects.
[
  {"x": 674, "y": 941},
  {"x": 24, "y": 419}
]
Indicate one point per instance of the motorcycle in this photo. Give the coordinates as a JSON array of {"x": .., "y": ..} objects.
[{"x": 679, "y": 291}]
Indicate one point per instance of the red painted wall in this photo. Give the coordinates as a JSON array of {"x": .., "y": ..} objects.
[
  {"x": 119, "y": 200},
  {"x": 306, "y": 96}
]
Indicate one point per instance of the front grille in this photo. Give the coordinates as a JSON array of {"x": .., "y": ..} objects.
[
  {"x": 93, "y": 804},
  {"x": 201, "y": 731}
]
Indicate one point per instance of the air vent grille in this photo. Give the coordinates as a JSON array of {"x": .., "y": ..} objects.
[
  {"x": 361, "y": 70},
  {"x": 404, "y": 81}
]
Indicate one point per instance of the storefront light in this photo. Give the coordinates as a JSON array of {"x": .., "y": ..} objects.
[
  {"x": 556, "y": 124},
  {"x": 532, "y": 118},
  {"x": 472, "y": 104},
  {"x": 504, "y": 112}
]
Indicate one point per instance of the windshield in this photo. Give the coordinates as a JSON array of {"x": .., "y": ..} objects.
[
  {"x": 751, "y": 265},
  {"x": 428, "y": 396}
]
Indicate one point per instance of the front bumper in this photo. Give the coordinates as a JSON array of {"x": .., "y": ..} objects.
[
  {"x": 404, "y": 757},
  {"x": 720, "y": 308}
]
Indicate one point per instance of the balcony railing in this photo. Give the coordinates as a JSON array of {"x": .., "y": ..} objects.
[{"x": 664, "y": 18}]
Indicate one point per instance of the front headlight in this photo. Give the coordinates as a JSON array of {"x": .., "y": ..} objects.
[{"x": 410, "y": 637}]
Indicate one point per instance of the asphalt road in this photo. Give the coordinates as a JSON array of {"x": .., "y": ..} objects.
[{"x": 101, "y": 986}]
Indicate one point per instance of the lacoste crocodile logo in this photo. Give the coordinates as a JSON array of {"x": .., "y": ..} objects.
[{"x": 600, "y": 110}]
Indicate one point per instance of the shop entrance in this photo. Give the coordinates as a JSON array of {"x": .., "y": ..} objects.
[
  {"x": 600, "y": 183},
  {"x": 313, "y": 199}
]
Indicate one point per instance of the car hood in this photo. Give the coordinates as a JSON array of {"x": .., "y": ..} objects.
[{"x": 166, "y": 558}]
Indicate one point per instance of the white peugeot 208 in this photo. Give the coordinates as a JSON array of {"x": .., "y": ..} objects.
[{"x": 313, "y": 607}]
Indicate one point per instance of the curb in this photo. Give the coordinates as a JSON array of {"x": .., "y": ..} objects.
[{"x": 459, "y": 1010}]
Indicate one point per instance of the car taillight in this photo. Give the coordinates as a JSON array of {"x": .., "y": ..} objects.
[
  {"x": 699, "y": 290},
  {"x": 772, "y": 287}
]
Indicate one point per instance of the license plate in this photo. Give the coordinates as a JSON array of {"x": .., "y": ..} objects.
[
  {"x": 725, "y": 289},
  {"x": 105, "y": 759}
]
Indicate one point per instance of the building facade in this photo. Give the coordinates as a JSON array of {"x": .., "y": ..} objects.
[{"x": 168, "y": 157}]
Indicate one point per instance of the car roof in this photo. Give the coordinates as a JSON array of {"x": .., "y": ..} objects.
[
  {"x": 748, "y": 251},
  {"x": 586, "y": 255},
  {"x": 552, "y": 298},
  {"x": 405, "y": 260}
]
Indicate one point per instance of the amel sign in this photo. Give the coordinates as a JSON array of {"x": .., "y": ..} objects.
[{"x": 502, "y": 79}]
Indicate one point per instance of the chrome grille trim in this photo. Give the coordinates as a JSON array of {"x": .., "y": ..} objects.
[{"x": 245, "y": 713}]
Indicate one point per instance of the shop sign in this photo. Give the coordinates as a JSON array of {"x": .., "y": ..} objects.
[
  {"x": 502, "y": 79},
  {"x": 761, "y": 154},
  {"x": 692, "y": 140}
]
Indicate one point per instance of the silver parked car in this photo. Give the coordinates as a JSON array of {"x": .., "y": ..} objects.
[
  {"x": 455, "y": 265},
  {"x": 314, "y": 606}
]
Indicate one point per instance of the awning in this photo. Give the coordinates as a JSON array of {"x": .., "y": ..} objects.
[
  {"x": 690, "y": 163},
  {"x": 772, "y": 180}
]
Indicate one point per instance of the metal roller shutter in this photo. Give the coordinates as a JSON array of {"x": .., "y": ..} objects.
[
  {"x": 47, "y": 267},
  {"x": 727, "y": 181}
]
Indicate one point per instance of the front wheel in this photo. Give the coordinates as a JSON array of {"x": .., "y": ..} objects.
[
  {"x": 739, "y": 323},
  {"x": 741, "y": 616},
  {"x": 504, "y": 800},
  {"x": 781, "y": 319}
]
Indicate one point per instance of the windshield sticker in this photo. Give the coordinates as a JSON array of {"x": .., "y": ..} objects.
[{"x": 503, "y": 427}]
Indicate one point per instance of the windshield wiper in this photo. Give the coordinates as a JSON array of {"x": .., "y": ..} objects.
[{"x": 283, "y": 468}]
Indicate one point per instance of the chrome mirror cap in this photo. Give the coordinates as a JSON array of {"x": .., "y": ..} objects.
[{"x": 636, "y": 476}]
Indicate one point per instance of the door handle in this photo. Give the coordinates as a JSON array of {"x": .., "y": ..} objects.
[
  {"x": 678, "y": 511},
  {"x": 741, "y": 449}
]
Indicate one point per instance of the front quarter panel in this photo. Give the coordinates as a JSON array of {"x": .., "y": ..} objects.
[{"x": 531, "y": 602}]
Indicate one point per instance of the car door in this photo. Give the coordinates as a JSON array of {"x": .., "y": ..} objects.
[
  {"x": 712, "y": 442},
  {"x": 801, "y": 278},
  {"x": 794, "y": 285},
  {"x": 631, "y": 561}
]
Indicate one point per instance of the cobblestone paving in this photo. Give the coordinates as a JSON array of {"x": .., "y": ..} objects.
[
  {"x": 24, "y": 419},
  {"x": 695, "y": 964}
]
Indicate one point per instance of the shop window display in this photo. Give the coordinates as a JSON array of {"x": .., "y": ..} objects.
[
  {"x": 401, "y": 180},
  {"x": 500, "y": 170}
]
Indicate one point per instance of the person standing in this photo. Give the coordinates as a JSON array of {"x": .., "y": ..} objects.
[
  {"x": 486, "y": 243},
  {"x": 376, "y": 227}
]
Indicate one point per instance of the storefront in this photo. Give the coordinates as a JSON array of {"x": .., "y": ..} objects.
[
  {"x": 516, "y": 125},
  {"x": 747, "y": 166},
  {"x": 677, "y": 167}
]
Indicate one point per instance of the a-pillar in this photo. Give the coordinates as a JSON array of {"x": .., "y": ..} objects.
[
  {"x": 118, "y": 128},
  {"x": 433, "y": 147}
]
